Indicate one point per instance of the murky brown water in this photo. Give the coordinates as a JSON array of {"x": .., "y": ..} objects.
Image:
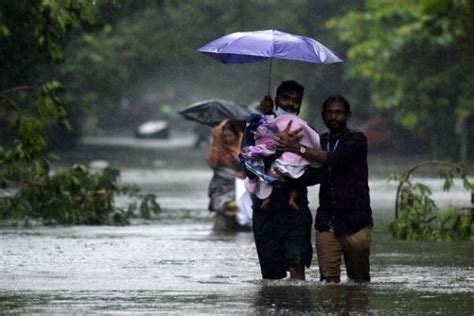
[{"x": 176, "y": 265}]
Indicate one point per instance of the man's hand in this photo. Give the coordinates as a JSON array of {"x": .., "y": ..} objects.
[
  {"x": 288, "y": 140},
  {"x": 266, "y": 105}
]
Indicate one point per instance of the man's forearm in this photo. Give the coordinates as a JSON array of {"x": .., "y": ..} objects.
[
  {"x": 312, "y": 154},
  {"x": 316, "y": 155},
  {"x": 290, "y": 141}
]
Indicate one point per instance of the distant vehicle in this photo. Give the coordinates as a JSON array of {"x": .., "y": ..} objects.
[
  {"x": 380, "y": 134},
  {"x": 153, "y": 129},
  {"x": 384, "y": 135}
]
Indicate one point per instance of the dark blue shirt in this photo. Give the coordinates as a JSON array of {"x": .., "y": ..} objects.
[{"x": 344, "y": 200}]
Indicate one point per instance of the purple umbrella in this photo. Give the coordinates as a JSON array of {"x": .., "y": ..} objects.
[{"x": 248, "y": 47}]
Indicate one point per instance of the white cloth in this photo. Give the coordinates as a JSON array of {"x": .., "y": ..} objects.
[
  {"x": 244, "y": 202},
  {"x": 293, "y": 172},
  {"x": 261, "y": 189}
]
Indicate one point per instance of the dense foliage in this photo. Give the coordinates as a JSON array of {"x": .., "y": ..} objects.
[
  {"x": 31, "y": 34},
  {"x": 417, "y": 58},
  {"x": 419, "y": 218},
  {"x": 72, "y": 197}
]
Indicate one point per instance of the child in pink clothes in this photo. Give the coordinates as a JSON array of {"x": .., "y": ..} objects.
[{"x": 287, "y": 165}]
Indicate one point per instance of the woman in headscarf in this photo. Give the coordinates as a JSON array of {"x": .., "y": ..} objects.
[{"x": 231, "y": 209}]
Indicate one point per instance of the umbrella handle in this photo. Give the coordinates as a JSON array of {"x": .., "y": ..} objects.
[{"x": 270, "y": 77}]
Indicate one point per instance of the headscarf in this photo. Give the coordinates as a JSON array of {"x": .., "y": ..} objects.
[{"x": 227, "y": 154}]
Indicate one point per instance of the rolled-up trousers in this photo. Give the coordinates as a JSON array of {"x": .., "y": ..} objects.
[{"x": 354, "y": 248}]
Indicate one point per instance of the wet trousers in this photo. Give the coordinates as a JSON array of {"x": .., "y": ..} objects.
[
  {"x": 282, "y": 239},
  {"x": 354, "y": 248}
]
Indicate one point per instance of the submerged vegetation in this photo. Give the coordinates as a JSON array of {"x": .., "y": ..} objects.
[
  {"x": 417, "y": 217},
  {"x": 73, "y": 197}
]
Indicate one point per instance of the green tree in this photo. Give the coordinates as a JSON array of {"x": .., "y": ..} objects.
[
  {"x": 417, "y": 58},
  {"x": 32, "y": 34}
]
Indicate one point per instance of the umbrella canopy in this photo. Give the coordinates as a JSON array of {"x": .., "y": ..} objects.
[
  {"x": 248, "y": 47},
  {"x": 212, "y": 112}
]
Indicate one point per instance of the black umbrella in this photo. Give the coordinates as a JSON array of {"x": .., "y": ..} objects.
[{"x": 212, "y": 112}]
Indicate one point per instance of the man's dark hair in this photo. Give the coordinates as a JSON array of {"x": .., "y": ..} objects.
[
  {"x": 289, "y": 85},
  {"x": 337, "y": 98}
]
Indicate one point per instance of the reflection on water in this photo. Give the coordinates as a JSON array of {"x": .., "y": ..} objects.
[
  {"x": 344, "y": 299},
  {"x": 180, "y": 266},
  {"x": 284, "y": 299},
  {"x": 177, "y": 265}
]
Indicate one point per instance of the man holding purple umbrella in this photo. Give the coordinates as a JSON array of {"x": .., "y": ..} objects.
[{"x": 282, "y": 235}]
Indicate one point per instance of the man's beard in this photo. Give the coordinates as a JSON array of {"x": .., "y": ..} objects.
[{"x": 334, "y": 128}]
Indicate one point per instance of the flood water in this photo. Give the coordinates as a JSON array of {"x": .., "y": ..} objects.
[{"x": 175, "y": 264}]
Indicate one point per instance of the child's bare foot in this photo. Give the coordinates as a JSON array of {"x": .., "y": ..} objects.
[
  {"x": 265, "y": 204},
  {"x": 293, "y": 205}
]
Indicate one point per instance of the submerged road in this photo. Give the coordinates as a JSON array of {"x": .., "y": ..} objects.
[{"x": 176, "y": 265}]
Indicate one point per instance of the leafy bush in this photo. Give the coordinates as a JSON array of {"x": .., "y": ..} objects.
[
  {"x": 418, "y": 217},
  {"x": 33, "y": 34},
  {"x": 73, "y": 197}
]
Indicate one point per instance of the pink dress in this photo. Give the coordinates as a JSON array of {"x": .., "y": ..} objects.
[{"x": 290, "y": 164}]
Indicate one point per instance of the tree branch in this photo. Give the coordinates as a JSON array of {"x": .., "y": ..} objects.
[
  {"x": 14, "y": 105},
  {"x": 19, "y": 88},
  {"x": 411, "y": 170}
]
